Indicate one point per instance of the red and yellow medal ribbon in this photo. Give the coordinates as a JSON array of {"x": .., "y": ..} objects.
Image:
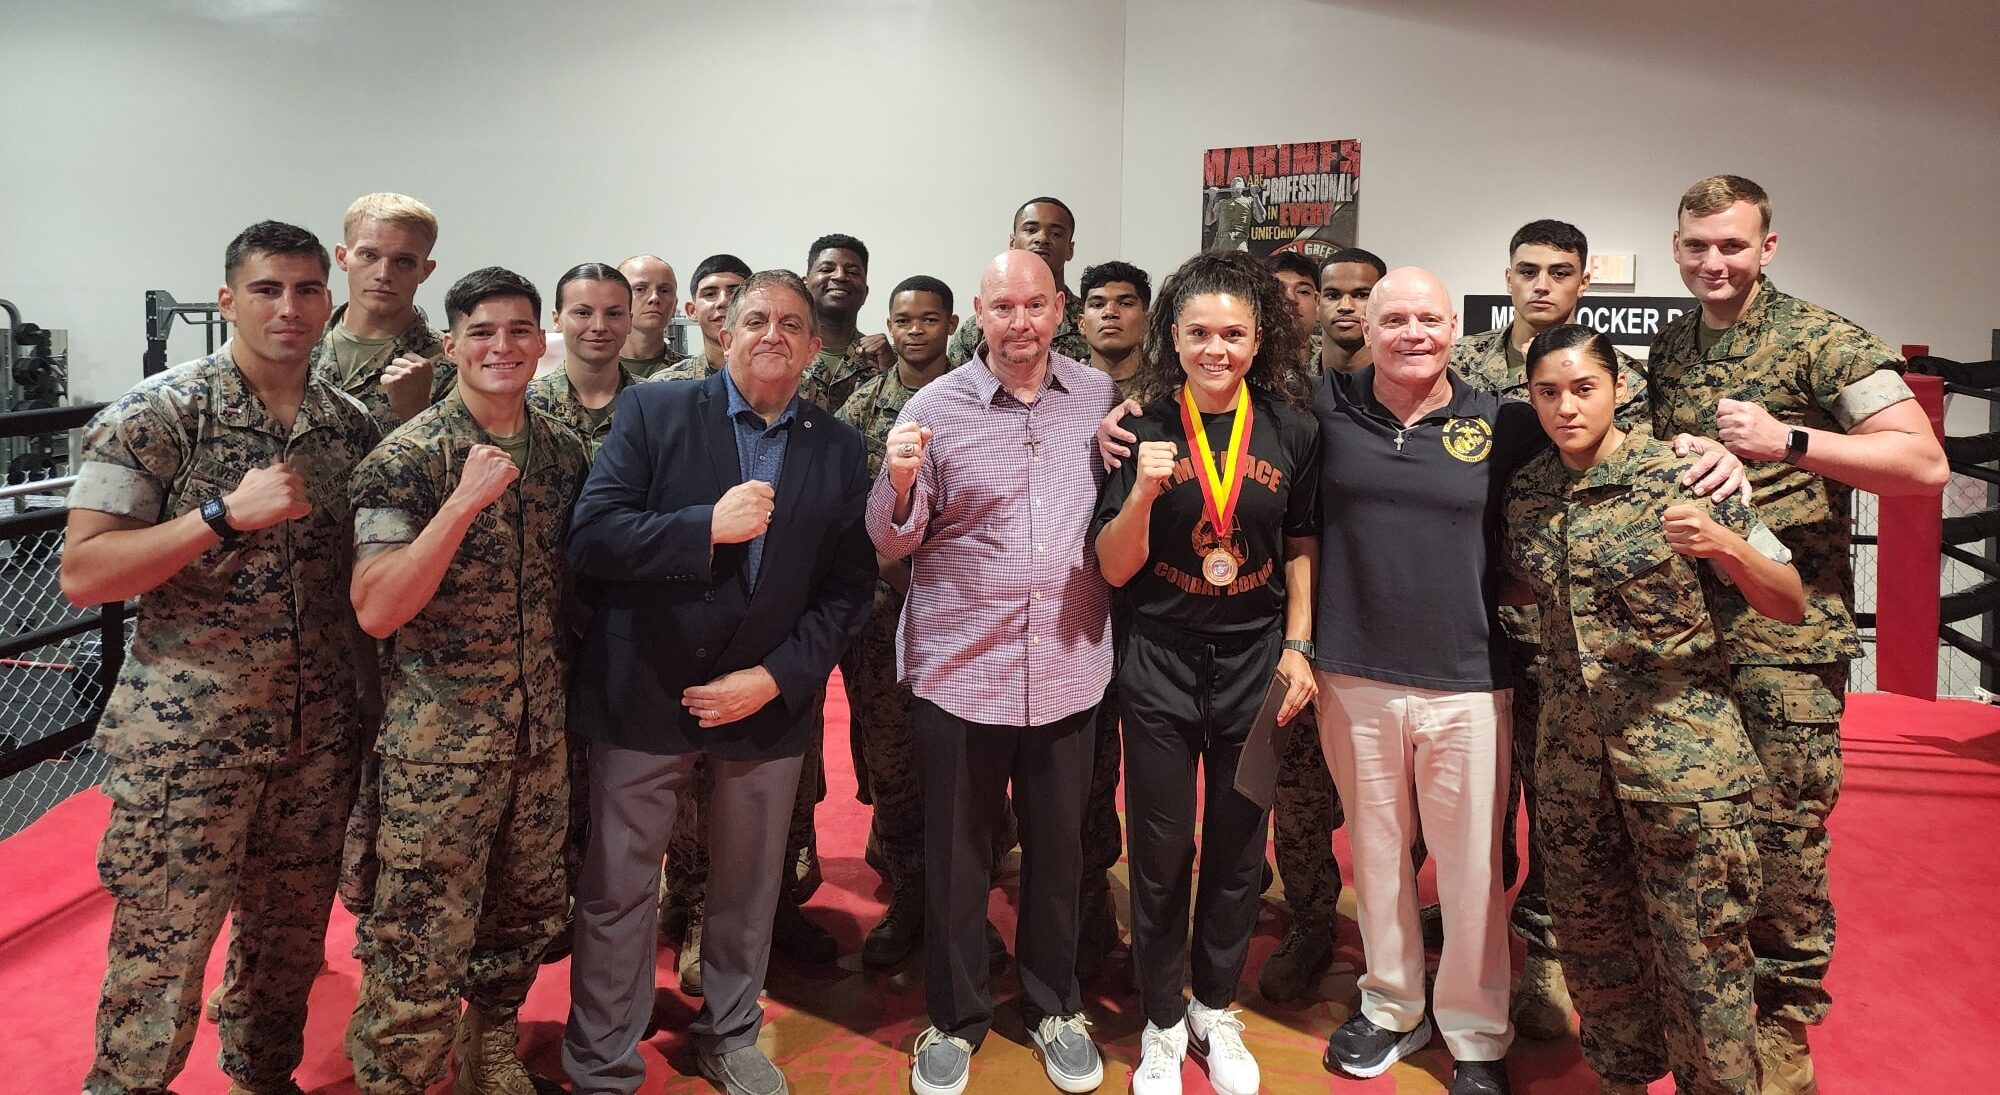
[{"x": 1220, "y": 487}]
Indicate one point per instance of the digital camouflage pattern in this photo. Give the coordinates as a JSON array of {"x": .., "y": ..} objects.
[
  {"x": 1068, "y": 340},
  {"x": 1808, "y": 367},
  {"x": 366, "y": 385},
  {"x": 831, "y": 377},
  {"x": 243, "y": 657},
  {"x": 184, "y": 846},
  {"x": 1305, "y": 812},
  {"x": 645, "y": 368},
  {"x": 479, "y": 672},
  {"x": 687, "y": 368},
  {"x": 1644, "y": 771},
  {"x": 552, "y": 395},
  {"x": 471, "y": 892}
]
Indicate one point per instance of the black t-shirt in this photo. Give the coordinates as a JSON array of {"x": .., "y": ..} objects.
[
  {"x": 1410, "y": 517},
  {"x": 1280, "y": 480}
]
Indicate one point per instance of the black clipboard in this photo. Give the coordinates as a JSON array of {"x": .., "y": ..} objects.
[{"x": 1257, "y": 765}]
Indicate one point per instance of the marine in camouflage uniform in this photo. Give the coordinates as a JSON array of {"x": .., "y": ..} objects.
[
  {"x": 474, "y": 772},
  {"x": 1807, "y": 367},
  {"x": 1488, "y": 360},
  {"x": 1645, "y": 772},
  {"x": 693, "y": 367},
  {"x": 232, "y": 732},
  {"x": 356, "y": 368},
  {"x": 829, "y": 381},
  {"x": 646, "y": 368},
  {"x": 1067, "y": 341}
]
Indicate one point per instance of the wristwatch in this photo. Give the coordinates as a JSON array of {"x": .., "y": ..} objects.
[
  {"x": 216, "y": 513},
  {"x": 1303, "y": 646},
  {"x": 1795, "y": 444}
]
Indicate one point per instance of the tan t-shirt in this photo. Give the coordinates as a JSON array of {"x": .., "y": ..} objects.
[{"x": 354, "y": 356}]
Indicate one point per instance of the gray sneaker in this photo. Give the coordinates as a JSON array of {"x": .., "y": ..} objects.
[
  {"x": 744, "y": 1071},
  {"x": 940, "y": 1064},
  {"x": 1068, "y": 1055}
]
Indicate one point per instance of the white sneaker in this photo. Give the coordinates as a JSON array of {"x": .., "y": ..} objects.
[
  {"x": 1160, "y": 1053},
  {"x": 1216, "y": 1036}
]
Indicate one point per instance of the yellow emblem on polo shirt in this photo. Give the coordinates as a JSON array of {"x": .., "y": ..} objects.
[{"x": 1468, "y": 439}]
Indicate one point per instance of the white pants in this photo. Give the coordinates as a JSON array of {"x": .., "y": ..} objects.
[{"x": 1399, "y": 754}]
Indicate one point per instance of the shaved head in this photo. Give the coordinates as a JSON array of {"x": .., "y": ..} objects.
[
  {"x": 1018, "y": 309},
  {"x": 1409, "y": 329},
  {"x": 1410, "y": 283}
]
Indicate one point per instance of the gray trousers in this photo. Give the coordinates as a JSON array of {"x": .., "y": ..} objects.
[{"x": 632, "y": 801}]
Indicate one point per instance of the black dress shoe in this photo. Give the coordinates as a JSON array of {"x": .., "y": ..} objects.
[{"x": 1480, "y": 1078}]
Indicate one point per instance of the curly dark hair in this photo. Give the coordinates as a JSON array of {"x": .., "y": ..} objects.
[{"x": 1241, "y": 275}]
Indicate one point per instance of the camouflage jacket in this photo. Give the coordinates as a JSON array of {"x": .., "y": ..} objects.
[
  {"x": 550, "y": 393},
  {"x": 1632, "y": 652},
  {"x": 831, "y": 377},
  {"x": 695, "y": 367},
  {"x": 1068, "y": 340},
  {"x": 1482, "y": 360},
  {"x": 644, "y": 368},
  {"x": 1808, "y": 367},
  {"x": 242, "y": 656},
  {"x": 478, "y": 674},
  {"x": 367, "y": 387}
]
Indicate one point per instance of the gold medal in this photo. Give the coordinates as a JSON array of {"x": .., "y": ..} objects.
[{"x": 1219, "y": 567}]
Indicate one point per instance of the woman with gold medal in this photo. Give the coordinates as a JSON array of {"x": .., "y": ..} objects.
[{"x": 1210, "y": 536}]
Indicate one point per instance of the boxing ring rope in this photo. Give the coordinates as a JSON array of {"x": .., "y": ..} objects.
[{"x": 1914, "y": 540}]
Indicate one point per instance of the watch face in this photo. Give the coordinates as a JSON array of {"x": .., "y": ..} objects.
[{"x": 211, "y": 509}]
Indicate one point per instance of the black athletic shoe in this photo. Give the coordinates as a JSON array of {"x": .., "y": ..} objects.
[
  {"x": 1363, "y": 1050},
  {"x": 1480, "y": 1078}
]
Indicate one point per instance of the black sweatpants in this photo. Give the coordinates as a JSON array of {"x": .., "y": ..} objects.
[
  {"x": 1188, "y": 700},
  {"x": 967, "y": 767}
]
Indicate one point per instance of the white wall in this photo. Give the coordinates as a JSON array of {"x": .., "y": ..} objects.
[
  {"x": 1875, "y": 127},
  {"x": 142, "y": 134}
]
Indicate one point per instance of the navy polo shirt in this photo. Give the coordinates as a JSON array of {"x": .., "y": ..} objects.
[{"x": 1410, "y": 520}]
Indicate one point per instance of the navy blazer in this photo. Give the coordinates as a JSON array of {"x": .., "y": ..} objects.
[{"x": 667, "y": 613}]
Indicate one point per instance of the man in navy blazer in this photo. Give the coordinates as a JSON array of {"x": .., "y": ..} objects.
[{"x": 721, "y": 548}]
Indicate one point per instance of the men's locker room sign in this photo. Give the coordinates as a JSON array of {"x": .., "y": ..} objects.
[
  {"x": 1629, "y": 321},
  {"x": 1281, "y": 197}
]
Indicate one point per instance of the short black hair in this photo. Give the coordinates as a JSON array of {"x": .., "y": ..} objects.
[
  {"x": 1046, "y": 200},
  {"x": 1563, "y": 336},
  {"x": 1356, "y": 255},
  {"x": 840, "y": 240},
  {"x": 590, "y": 271},
  {"x": 923, "y": 283},
  {"x": 484, "y": 284},
  {"x": 273, "y": 238},
  {"x": 1555, "y": 235},
  {"x": 1104, "y": 273},
  {"x": 1291, "y": 262},
  {"x": 718, "y": 264}
]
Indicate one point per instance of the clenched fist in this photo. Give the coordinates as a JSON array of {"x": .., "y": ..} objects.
[
  {"x": 1155, "y": 468},
  {"x": 1691, "y": 531},
  {"x": 742, "y": 514},
  {"x": 267, "y": 496},
  {"x": 1749, "y": 430},
  {"x": 407, "y": 383},
  {"x": 488, "y": 472},
  {"x": 906, "y": 444}
]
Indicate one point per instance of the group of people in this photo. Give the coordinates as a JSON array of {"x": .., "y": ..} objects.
[{"x": 479, "y": 651}]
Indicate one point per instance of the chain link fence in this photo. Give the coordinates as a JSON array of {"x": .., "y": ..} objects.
[{"x": 53, "y": 686}]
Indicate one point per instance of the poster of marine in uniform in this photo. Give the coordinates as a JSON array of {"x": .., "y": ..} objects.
[{"x": 1281, "y": 197}]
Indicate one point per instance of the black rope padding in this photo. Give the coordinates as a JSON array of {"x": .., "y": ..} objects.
[
  {"x": 1978, "y": 448},
  {"x": 1975, "y": 374},
  {"x": 1963, "y": 605},
  {"x": 1971, "y": 528}
]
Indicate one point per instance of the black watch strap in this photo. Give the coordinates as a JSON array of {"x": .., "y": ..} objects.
[
  {"x": 216, "y": 513},
  {"x": 1303, "y": 646},
  {"x": 1795, "y": 444}
]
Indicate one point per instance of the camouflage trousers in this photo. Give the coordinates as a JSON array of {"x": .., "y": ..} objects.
[
  {"x": 1652, "y": 905},
  {"x": 182, "y": 849},
  {"x": 879, "y": 712},
  {"x": 1305, "y": 812},
  {"x": 471, "y": 890},
  {"x": 686, "y": 868},
  {"x": 1530, "y": 916},
  {"x": 1793, "y": 714}
]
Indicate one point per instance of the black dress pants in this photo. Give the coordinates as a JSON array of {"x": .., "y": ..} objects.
[
  {"x": 967, "y": 767},
  {"x": 1188, "y": 700}
]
